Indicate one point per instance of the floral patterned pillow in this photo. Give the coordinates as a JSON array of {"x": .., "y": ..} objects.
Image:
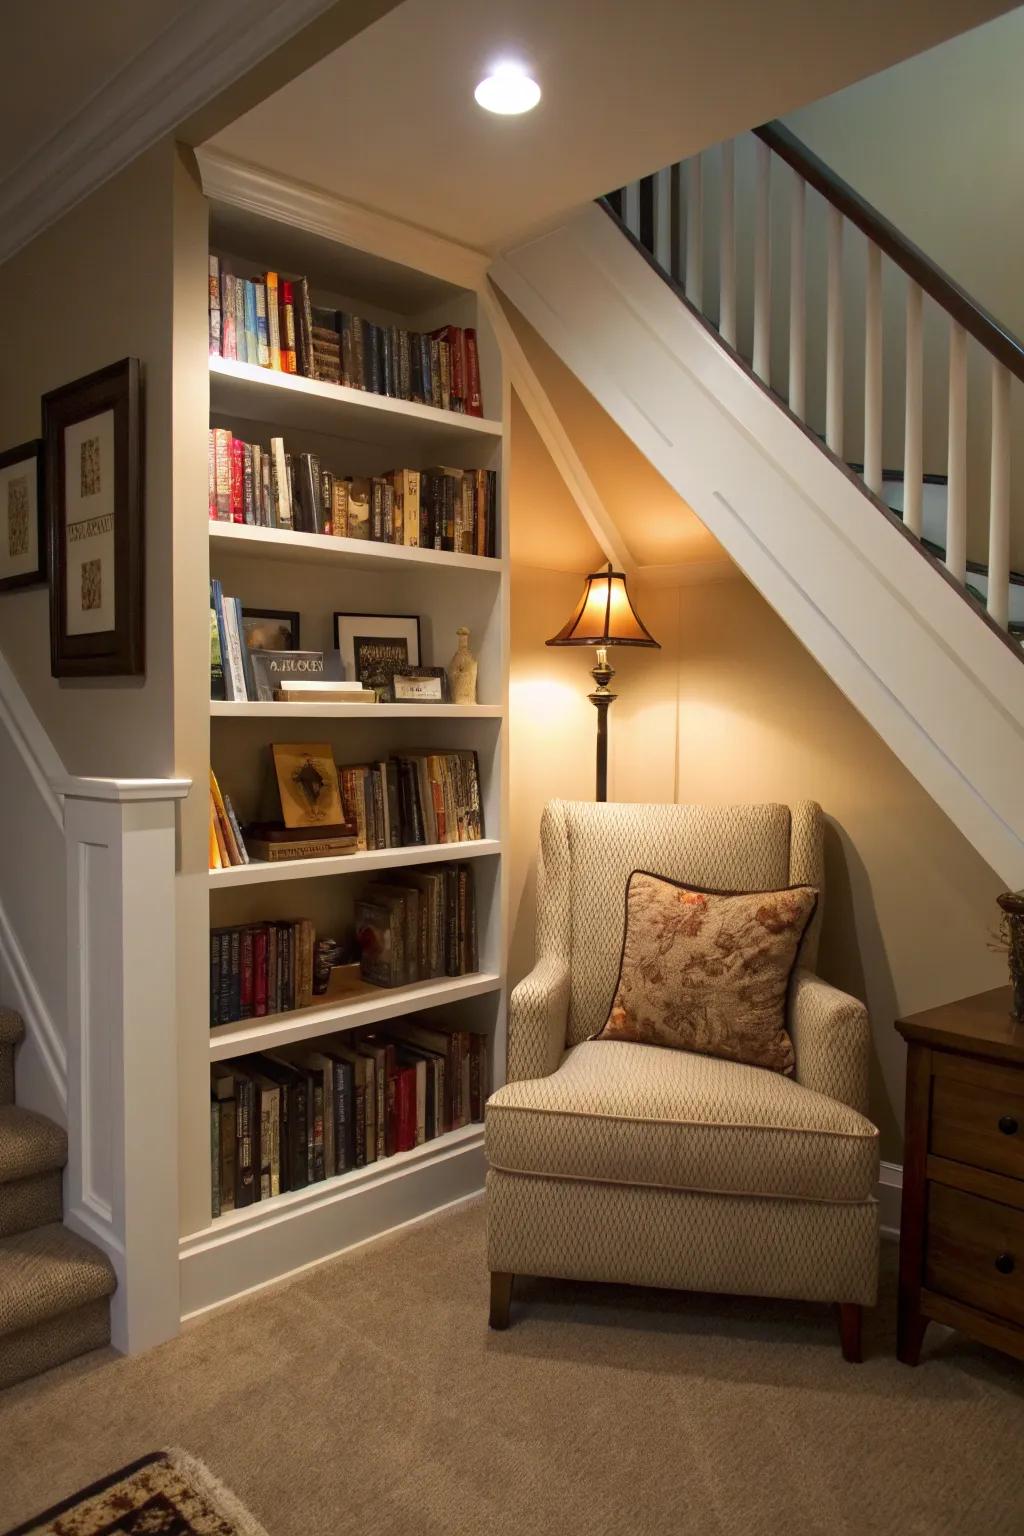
[{"x": 707, "y": 971}]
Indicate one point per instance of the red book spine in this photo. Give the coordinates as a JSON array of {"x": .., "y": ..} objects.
[
  {"x": 237, "y": 480},
  {"x": 405, "y": 1094},
  {"x": 259, "y": 970},
  {"x": 474, "y": 400},
  {"x": 246, "y": 988},
  {"x": 289, "y": 363},
  {"x": 457, "y": 343}
]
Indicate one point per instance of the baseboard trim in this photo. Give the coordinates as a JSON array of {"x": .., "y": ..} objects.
[
  {"x": 218, "y": 1266},
  {"x": 889, "y": 1194}
]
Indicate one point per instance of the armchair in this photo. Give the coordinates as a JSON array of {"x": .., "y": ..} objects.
[{"x": 638, "y": 1165}]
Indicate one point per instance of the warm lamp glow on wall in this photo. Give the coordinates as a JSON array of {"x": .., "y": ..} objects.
[{"x": 604, "y": 616}]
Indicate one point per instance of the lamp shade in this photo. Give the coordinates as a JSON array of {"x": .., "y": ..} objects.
[{"x": 604, "y": 615}]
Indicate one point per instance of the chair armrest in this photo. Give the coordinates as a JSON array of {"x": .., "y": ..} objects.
[
  {"x": 832, "y": 1040},
  {"x": 537, "y": 1017}
]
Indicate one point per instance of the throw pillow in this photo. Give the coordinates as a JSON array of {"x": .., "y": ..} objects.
[{"x": 709, "y": 971}]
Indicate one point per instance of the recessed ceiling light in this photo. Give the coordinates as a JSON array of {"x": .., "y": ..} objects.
[{"x": 508, "y": 89}]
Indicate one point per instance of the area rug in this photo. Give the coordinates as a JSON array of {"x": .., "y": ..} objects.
[{"x": 167, "y": 1493}]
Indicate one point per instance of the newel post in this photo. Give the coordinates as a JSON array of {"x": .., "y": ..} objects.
[{"x": 122, "y": 1190}]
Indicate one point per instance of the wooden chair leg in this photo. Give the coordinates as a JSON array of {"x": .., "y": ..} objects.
[
  {"x": 501, "y": 1299},
  {"x": 850, "y": 1317}
]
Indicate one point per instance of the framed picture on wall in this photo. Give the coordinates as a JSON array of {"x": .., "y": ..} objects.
[
  {"x": 374, "y": 646},
  {"x": 92, "y": 436},
  {"x": 22, "y": 517}
]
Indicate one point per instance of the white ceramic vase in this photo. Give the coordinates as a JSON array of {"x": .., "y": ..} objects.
[{"x": 462, "y": 671}]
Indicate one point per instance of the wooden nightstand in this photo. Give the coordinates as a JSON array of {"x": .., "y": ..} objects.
[{"x": 962, "y": 1222}]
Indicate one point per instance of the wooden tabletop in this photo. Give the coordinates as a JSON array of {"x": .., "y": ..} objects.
[{"x": 981, "y": 1025}]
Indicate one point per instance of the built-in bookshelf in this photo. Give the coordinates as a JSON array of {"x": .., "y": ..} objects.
[{"x": 354, "y": 432}]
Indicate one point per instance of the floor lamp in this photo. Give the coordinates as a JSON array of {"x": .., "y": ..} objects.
[{"x": 604, "y": 617}]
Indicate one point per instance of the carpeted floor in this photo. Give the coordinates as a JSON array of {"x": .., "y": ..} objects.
[{"x": 368, "y": 1396}]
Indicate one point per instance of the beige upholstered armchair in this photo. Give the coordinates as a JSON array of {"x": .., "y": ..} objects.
[{"x": 630, "y": 1163}]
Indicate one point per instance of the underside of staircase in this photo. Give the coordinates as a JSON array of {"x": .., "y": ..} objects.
[
  {"x": 899, "y": 631},
  {"x": 55, "y": 1287}
]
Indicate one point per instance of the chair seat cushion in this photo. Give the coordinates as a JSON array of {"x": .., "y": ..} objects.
[{"x": 641, "y": 1115}]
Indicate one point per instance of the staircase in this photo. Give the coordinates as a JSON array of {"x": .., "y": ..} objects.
[
  {"x": 753, "y": 325},
  {"x": 55, "y": 1287}
]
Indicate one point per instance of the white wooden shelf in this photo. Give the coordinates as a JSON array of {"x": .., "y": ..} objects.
[
  {"x": 354, "y": 554},
  {"x": 287, "y": 400},
  {"x": 258, "y": 873},
  {"x": 326, "y": 1190},
  {"x": 366, "y": 1008},
  {"x": 224, "y": 709}
]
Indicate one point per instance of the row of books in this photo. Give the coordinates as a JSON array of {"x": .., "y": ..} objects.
[
  {"x": 418, "y": 925},
  {"x": 414, "y": 798},
  {"x": 442, "y": 508},
  {"x": 286, "y": 1119},
  {"x": 414, "y": 925},
  {"x": 270, "y": 321},
  {"x": 227, "y": 845}
]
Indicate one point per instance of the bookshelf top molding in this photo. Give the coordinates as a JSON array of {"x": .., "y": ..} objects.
[
  {"x": 361, "y": 554},
  {"x": 288, "y": 400},
  {"x": 265, "y": 195}
]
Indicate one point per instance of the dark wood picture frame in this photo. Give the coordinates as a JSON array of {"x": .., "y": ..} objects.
[
  {"x": 118, "y": 651},
  {"x": 9, "y": 459},
  {"x": 285, "y": 615}
]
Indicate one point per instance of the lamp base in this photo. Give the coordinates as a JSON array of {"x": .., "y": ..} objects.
[{"x": 602, "y": 673}]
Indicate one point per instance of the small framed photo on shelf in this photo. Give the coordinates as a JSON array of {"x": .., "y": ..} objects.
[
  {"x": 22, "y": 517},
  {"x": 421, "y": 685},
  {"x": 92, "y": 436},
  {"x": 376, "y": 646},
  {"x": 270, "y": 629}
]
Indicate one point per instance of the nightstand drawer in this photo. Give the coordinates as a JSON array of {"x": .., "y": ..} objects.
[
  {"x": 980, "y": 1122},
  {"x": 974, "y": 1252}
]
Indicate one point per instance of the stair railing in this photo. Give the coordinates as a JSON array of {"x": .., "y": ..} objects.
[{"x": 666, "y": 215}]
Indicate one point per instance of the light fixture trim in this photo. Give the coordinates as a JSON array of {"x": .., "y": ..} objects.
[{"x": 508, "y": 90}]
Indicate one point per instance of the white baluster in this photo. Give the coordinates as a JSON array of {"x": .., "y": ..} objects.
[
  {"x": 631, "y": 208},
  {"x": 694, "y": 233},
  {"x": 913, "y": 452},
  {"x": 663, "y": 219},
  {"x": 873, "y": 371},
  {"x": 727, "y": 248},
  {"x": 956, "y": 466},
  {"x": 999, "y": 499},
  {"x": 834, "y": 335},
  {"x": 797, "y": 298},
  {"x": 762, "y": 266}
]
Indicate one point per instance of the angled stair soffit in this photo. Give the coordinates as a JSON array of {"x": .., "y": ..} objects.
[{"x": 197, "y": 56}]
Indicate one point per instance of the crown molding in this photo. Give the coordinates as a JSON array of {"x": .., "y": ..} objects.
[
  {"x": 198, "y": 55},
  {"x": 271, "y": 196}
]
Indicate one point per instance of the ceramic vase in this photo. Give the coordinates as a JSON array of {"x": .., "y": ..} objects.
[{"x": 462, "y": 671}]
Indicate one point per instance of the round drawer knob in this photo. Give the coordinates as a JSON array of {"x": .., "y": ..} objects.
[
  {"x": 1005, "y": 1263},
  {"x": 1008, "y": 1125}
]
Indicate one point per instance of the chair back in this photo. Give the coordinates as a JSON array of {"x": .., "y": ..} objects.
[{"x": 588, "y": 852}]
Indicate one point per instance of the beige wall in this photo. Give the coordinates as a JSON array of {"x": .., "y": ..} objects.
[
  {"x": 732, "y": 709},
  {"x": 92, "y": 289}
]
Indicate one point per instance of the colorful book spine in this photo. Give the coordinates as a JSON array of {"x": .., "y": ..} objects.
[
  {"x": 227, "y": 315},
  {"x": 215, "y": 322},
  {"x": 273, "y": 320},
  {"x": 287, "y": 325},
  {"x": 262, "y": 330}
]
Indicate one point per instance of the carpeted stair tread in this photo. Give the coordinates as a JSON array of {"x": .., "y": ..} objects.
[
  {"x": 28, "y": 1203},
  {"x": 46, "y": 1272},
  {"x": 30, "y": 1351},
  {"x": 29, "y": 1144},
  {"x": 12, "y": 1028}
]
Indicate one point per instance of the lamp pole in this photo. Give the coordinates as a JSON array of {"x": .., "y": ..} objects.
[{"x": 602, "y": 673}]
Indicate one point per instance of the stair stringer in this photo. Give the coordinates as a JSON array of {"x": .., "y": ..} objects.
[{"x": 942, "y": 689}]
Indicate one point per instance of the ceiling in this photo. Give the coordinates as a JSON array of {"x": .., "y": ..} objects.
[{"x": 388, "y": 120}]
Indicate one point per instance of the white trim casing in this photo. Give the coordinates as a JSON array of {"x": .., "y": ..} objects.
[
  {"x": 122, "y": 1183},
  {"x": 271, "y": 196},
  {"x": 943, "y": 690},
  {"x": 890, "y": 1194}
]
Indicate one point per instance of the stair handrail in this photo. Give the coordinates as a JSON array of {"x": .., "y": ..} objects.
[{"x": 995, "y": 337}]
